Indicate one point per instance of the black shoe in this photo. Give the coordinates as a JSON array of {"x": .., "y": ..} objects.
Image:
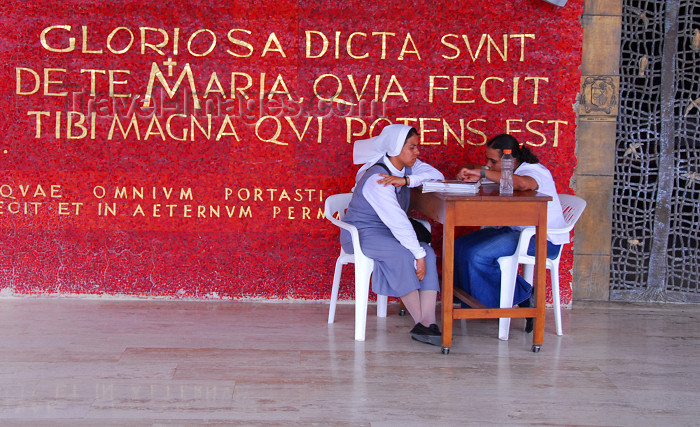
[
  {"x": 528, "y": 323},
  {"x": 429, "y": 335}
]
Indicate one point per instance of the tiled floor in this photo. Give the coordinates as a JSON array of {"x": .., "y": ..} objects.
[{"x": 82, "y": 362}]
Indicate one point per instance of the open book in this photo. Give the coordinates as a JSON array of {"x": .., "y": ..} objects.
[{"x": 451, "y": 186}]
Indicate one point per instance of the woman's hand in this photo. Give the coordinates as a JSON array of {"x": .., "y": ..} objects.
[
  {"x": 420, "y": 268},
  {"x": 469, "y": 175},
  {"x": 396, "y": 181}
]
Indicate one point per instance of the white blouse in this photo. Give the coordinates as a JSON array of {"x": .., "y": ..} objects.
[
  {"x": 546, "y": 185},
  {"x": 383, "y": 200}
]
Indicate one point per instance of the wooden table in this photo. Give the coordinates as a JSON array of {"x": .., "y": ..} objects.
[{"x": 487, "y": 208}]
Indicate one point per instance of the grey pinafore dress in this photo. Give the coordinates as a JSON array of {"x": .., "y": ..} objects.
[{"x": 394, "y": 265}]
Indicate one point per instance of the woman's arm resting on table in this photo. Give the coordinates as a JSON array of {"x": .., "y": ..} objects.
[
  {"x": 523, "y": 182},
  {"x": 396, "y": 181},
  {"x": 421, "y": 172},
  {"x": 520, "y": 182}
]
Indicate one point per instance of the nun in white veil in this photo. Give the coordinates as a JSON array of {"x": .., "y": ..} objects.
[{"x": 404, "y": 267}]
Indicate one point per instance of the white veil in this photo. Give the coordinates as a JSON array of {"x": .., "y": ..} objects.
[{"x": 369, "y": 151}]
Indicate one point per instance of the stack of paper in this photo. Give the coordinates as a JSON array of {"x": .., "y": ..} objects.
[{"x": 455, "y": 187}]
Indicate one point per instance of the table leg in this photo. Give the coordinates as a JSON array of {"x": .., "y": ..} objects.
[
  {"x": 540, "y": 284},
  {"x": 448, "y": 248}
]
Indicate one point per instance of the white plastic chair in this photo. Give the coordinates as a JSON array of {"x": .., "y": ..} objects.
[
  {"x": 337, "y": 204},
  {"x": 573, "y": 207}
]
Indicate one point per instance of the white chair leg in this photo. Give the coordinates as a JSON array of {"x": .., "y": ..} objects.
[
  {"x": 508, "y": 273},
  {"x": 362, "y": 276},
  {"x": 556, "y": 299},
  {"x": 382, "y": 302},
  {"x": 529, "y": 273},
  {"x": 334, "y": 290},
  {"x": 503, "y": 328}
]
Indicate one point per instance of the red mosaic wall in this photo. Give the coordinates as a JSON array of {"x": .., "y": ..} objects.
[{"x": 116, "y": 180}]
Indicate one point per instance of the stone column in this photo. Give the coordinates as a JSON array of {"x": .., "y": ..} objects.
[{"x": 595, "y": 146}]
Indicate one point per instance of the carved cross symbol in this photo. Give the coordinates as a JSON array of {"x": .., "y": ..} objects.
[
  {"x": 633, "y": 244},
  {"x": 693, "y": 103},
  {"x": 691, "y": 177},
  {"x": 632, "y": 149},
  {"x": 170, "y": 63}
]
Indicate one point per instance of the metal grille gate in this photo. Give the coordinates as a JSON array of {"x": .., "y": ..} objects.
[{"x": 656, "y": 202}]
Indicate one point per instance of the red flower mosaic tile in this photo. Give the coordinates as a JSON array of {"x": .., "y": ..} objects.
[{"x": 117, "y": 179}]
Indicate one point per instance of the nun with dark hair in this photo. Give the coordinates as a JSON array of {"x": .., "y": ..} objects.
[
  {"x": 403, "y": 266},
  {"x": 476, "y": 267}
]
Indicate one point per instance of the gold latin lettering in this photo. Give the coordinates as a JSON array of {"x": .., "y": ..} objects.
[
  {"x": 510, "y": 131},
  {"x": 383, "y": 36},
  {"x": 294, "y": 128},
  {"x": 211, "y": 46},
  {"x": 64, "y": 208},
  {"x": 156, "y": 73},
  {"x": 56, "y": 191},
  {"x": 349, "y": 134},
  {"x": 113, "y": 82},
  {"x": 348, "y": 45},
  {"x": 79, "y": 124},
  {"x": 214, "y": 80},
  {"x": 522, "y": 38},
  {"x": 476, "y": 131},
  {"x": 154, "y": 121},
  {"x": 447, "y": 129},
  {"x": 324, "y": 47},
  {"x": 194, "y": 122},
  {"x": 18, "y": 78},
  {"x": 272, "y": 38},
  {"x": 388, "y": 92},
  {"x": 222, "y": 129},
  {"x": 241, "y": 43},
  {"x": 404, "y": 49},
  {"x": 555, "y": 143},
  {"x": 45, "y": 44},
  {"x": 240, "y": 90},
  {"x": 483, "y": 90},
  {"x": 48, "y": 81},
  {"x": 38, "y": 115},
  {"x": 424, "y": 130},
  {"x": 244, "y": 191},
  {"x": 154, "y": 47},
  {"x": 85, "y": 42},
  {"x": 531, "y": 129},
  {"x": 537, "y": 86},
  {"x": 432, "y": 87},
  {"x": 456, "y": 89},
  {"x": 93, "y": 79},
  {"x": 444, "y": 41},
  {"x": 111, "y": 36},
  {"x": 169, "y": 130},
  {"x": 274, "y": 139},
  {"x": 132, "y": 123}
]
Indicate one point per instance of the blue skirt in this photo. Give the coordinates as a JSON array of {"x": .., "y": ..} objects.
[
  {"x": 394, "y": 266},
  {"x": 476, "y": 269}
]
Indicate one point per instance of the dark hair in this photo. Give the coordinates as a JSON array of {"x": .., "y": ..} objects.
[
  {"x": 508, "y": 142},
  {"x": 411, "y": 133}
]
